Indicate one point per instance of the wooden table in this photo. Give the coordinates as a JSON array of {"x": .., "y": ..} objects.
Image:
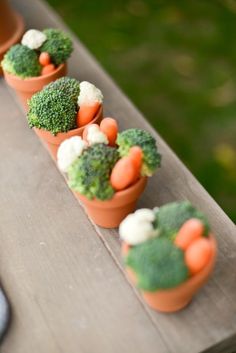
[{"x": 64, "y": 275}]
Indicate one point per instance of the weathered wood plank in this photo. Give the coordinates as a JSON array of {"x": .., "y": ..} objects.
[{"x": 209, "y": 324}]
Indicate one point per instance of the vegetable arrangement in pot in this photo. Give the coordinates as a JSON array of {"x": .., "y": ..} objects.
[
  {"x": 39, "y": 53},
  {"x": 63, "y": 109},
  {"x": 39, "y": 59},
  {"x": 168, "y": 252},
  {"x": 108, "y": 170}
]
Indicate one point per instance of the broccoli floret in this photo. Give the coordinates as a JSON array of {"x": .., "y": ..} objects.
[
  {"x": 52, "y": 111},
  {"x": 90, "y": 173},
  {"x": 58, "y": 45},
  {"x": 170, "y": 217},
  {"x": 137, "y": 137},
  {"x": 21, "y": 61},
  {"x": 158, "y": 264},
  {"x": 69, "y": 86}
]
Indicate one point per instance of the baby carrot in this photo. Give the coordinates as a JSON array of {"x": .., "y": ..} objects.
[
  {"x": 198, "y": 255},
  {"x": 191, "y": 230},
  {"x": 110, "y": 128},
  {"x": 136, "y": 154},
  {"x": 44, "y": 59},
  {"x": 123, "y": 174},
  {"x": 47, "y": 69},
  {"x": 87, "y": 113}
]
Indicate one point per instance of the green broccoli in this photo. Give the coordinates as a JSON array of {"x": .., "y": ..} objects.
[
  {"x": 90, "y": 173},
  {"x": 21, "y": 61},
  {"x": 158, "y": 264},
  {"x": 69, "y": 86},
  {"x": 58, "y": 45},
  {"x": 52, "y": 111},
  {"x": 137, "y": 137},
  {"x": 170, "y": 217}
]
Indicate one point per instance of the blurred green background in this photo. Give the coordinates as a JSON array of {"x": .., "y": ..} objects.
[{"x": 177, "y": 61}]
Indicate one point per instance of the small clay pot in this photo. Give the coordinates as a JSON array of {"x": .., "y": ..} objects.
[
  {"x": 110, "y": 213},
  {"x": 25, "y": 88},
  {"x": 53, "y": 142},
  {"x": 174, "y": 299},
  {"x": 12, "y": 28}
]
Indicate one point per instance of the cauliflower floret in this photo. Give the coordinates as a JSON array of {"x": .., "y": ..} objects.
[
  {"x": 95, "y": 135},
  {"x": 89, "y": 94},
  {"x": 68, "y": 151},
  {"x": 33, "y": 39},
  {"x": 138, "y": 227}
]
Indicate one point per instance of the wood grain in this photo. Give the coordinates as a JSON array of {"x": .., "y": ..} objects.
[{"x": 66, "y": 284}]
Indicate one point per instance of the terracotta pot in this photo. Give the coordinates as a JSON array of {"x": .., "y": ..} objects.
[
  {"x": 174, "y": 299},
  {"x": 25, "y": 88},
  {"x": 53, "y": 142},
  {"x": 12, "y": 28},
  {"x": 109, "y": 214}
]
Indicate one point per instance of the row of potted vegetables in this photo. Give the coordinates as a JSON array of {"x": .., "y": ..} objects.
[{"x": 168, "y": 252}]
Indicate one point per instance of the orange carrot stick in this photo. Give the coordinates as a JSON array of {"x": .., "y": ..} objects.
[
  {"x": 123, "y": 174},
  {"x": 198, "y": 255},
  {"x": 87, "y": 113},
  {"x": 191, "y": 230},
  {"x": 47, "y": 69},
  {"x": 44, "y": 59},
  {"x": 110, "y": 128},
  {"x": 136, "y": 154}
]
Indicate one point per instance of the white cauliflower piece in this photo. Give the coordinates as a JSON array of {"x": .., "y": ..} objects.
[
  {"x": 68, "y": 151},
  {"x": 33, "y": 39},
  {"x": 95, "y": 135},
  {"x": 89, "y": 94},
  {"x": 138, "y": 227}
]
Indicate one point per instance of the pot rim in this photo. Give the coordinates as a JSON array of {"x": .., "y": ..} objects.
[
  {"x": 35, "y": 78},
  {"x": 53, "y": 139},
  {"x": 193, "y": 279},
  {"x": 116, "y": 197}
]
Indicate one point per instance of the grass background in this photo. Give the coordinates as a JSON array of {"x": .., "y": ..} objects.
[{"x": 177, "y": 61}]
